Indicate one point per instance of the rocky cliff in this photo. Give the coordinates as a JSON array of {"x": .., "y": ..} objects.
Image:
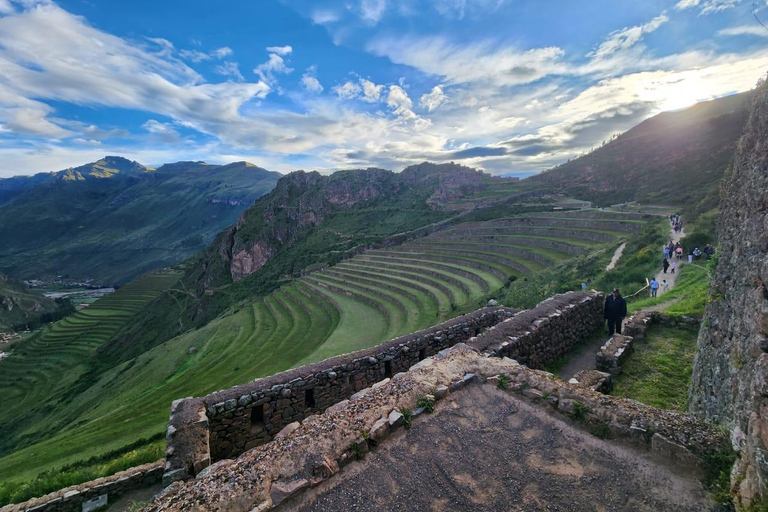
[{"x": 730, "y": 380}]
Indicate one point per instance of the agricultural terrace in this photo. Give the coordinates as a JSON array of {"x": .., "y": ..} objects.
[{"x": 358, "y": 303}]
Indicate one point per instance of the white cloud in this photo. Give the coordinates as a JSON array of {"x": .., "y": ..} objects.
[
  {"x": 89, "y": 67},
  {"x": 280, "y": 50},
  {"x": 220, "y": 53},
  {"x": 230, "y": 69},
  {"x": 6, "y": 7},
  {"x": 433, "y": 98},
  {"x": 626, "y": 38},
  {"x": 310, "y": 82},
  {"x": 194, "y": 55},
  {"x": 399, "y": 102},
  {"x": 475, "y": 62},
  {"x": 707, "y": 6},
  {"x": 164, "y": 131},
  {"x": 371, "y": 11},
  {"x": 275, "y": 65},
  {"x": 753, "y": 30},
  {"x": 347, "y": 90},
  {"x": 324, "y": 17},
  {"x": 371, "y": 91}
]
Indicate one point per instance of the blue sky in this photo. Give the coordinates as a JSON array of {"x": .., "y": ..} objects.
[{"x": 509, "y": 86}]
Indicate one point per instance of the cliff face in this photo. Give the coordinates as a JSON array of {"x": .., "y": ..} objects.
[
  {"x": 300, "y": 200},
  {"x": 730, "y": 379}
]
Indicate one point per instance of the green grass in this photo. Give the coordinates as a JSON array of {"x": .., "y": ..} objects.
[
  {"x": 300, "y": 322},
  {"x": 658, "y": 372},
  {"x": 690, "y": 294}
]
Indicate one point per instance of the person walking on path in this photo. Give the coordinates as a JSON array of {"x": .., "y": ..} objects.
[
  {"x": 615, "y": 311},
  {"x": 654, "y": 287},
  {"x": 690, "y": 255},
  {"x": 679, "y": 252},
  {"x": 664, "y": 286},
  {"x": 672, "y": 267},
  {"x": 665, "y": 264}
]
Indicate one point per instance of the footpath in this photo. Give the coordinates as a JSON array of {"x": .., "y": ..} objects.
[{"x": 584, "y": 358}]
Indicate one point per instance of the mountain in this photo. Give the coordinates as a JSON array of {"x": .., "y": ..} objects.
[
  {"x": 673, "y": 158},
  {"x": 308, "y": 221},
  {"x": 21, "y": 307},
  {"x": 115, "y": 219}
]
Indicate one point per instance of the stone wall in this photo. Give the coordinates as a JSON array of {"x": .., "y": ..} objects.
[
  {"x": 225, "y": 424},
  {"x": 730, "y": 375},
  {"x": 538, "y": 336},
  {"x": 307, "y": 454},
  {"x": 93, "y": 495}
]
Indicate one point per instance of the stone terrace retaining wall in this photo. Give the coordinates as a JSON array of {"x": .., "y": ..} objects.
[
  {"x": 95, "y": 494},
  {"x": 227, "y": 423},
  {"x": 538, "y": 336}
]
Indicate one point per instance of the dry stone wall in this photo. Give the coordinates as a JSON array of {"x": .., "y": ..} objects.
[
  {"x": 93, "y": 495},
  {"x": 538, "y": 336},
  {"x": 730, "y": 375},
  {"x": 225, "y": 424}
]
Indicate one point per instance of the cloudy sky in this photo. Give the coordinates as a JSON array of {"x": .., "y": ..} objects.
[{"x": 510, "y": 86}]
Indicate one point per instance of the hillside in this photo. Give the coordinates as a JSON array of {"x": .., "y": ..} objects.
[
  {"x": 673, "y": 158},
  {"x": 731, "y": 366},
  {"x": 21, "y": 307},
  {"x": 115, "y": 219}
]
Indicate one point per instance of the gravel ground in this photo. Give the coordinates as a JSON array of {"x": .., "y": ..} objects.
[{"x": 485, "y": 450}]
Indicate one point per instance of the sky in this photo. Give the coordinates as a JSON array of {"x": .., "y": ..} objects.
[{"x": 508, "y": 86}]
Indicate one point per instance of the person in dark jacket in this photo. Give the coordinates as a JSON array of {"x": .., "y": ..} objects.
[{"x": 615, "y": 311}]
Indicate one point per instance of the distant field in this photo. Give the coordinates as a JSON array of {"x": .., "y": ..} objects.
[{"x": 356, "y": 304}]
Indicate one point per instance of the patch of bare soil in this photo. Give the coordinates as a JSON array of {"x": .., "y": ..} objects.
[{"x": 484, "y": 449}]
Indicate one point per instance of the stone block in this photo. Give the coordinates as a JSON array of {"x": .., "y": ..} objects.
[
  {"x": 288, "y": 430},
  {"x": 96, "y": 503},
  {"x": 672, "y": 450},
  {"x": 379, "y": 431},
  {"x": 281, "y": 490},
  {"x": 533, "y": 393},
  {"x": 395, "y": 420}
]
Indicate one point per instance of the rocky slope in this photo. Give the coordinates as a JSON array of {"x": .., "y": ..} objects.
[
  {"x": 730, "y": 379},
  {"x": 673, "y": 158},
  {"x": 114, "y": 219}
]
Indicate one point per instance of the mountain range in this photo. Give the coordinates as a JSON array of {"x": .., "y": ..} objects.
[{"x": 115, "y": 219}]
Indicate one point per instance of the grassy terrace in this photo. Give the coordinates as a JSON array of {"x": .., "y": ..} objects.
[{"x": 356, "y": 304}]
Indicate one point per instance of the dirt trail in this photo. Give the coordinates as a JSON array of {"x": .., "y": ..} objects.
[
  {"x": 616, "y": 256},
  {"x": 484, "y": 449},
  {"x": 670, "y": 277}
]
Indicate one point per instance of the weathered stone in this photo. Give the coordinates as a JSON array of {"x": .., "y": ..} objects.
[
  {"x": 244, "y": 400},
  {"x": 395, "y": 420},
  {"x": 281, "y": 490},
  {"x": 286, "y": 393},
  {"x": 533, "y": 393},
  {"x": 379, "y": 431},
  {"x": 288, "y": 430},
  {"x": 441, "y": 391}
]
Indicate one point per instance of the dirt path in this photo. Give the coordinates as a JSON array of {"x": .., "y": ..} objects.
[
  {"x": 670, "y": 277},
  {"x": 484, "y": 449},
  {"x": 616, "y": 256},
  {"x": 582, "y": 359}
]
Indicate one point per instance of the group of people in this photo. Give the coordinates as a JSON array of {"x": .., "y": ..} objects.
[
  {"x": 676, "y": 222},
  {"x": 654, "y": 285}
]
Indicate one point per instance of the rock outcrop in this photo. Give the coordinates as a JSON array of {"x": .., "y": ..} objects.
[{"x": 730, "y": 379}]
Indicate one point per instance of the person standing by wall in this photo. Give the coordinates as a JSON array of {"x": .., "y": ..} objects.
[{"x": 615, "y": 311}]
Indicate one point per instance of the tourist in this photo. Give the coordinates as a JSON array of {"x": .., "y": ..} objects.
[
  {"x": 679, "y": 252},
  {"x": 654, "y": 286},
  {"x": 672, "y": 266},
  {"x": 665, "y": 264},
  {"x": 690, "y": 255},
  {"x": 709, "y": 251},
  {"x": 697, "y": 254},
  {"x": 615, "y": 311},
  {"x": 664, "y": 286}
]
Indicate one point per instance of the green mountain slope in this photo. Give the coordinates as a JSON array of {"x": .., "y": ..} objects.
[
  {"x": 115, "y": 219},
  {"x": 673, "y": 158},
  {"x": 21, "y": 307}
]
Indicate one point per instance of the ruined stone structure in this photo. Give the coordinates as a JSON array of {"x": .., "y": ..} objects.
[
  {"x": 95, "y": 494},
  {"x": 308, "y": 456},
  {"x": 730, "y": 377},
  {"x": 225, "y": 424}
]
